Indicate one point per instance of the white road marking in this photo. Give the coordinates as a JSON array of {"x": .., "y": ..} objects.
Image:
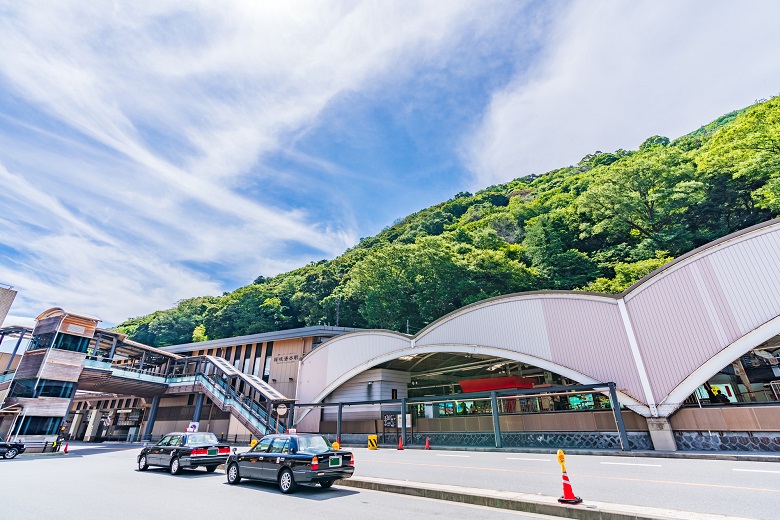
[
  {"x": 451, "y": 455},
  {"x": 632, "y": 464},
  {"x": 756, "y": 470},
  {"x": 521, "y": 458}
]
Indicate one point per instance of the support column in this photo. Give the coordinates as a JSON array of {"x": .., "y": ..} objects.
[
  {"x": 152, "y": 417},
  {"x": 661, "y": 434},
  {"x": 338, "y": 422},
  {"x": 113, "y": 350},
  {"x": 16, "y": 347},
  {"x": 198, "y": 408},
  {"x": 92, "y": 425},
  {"x": 615, "y": 404},
  {"x": 403, "y": 421},
  {"x": 496, "y": 424}
]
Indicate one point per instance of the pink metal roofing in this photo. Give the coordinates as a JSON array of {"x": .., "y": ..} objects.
[{"x": 648, "y": 340}]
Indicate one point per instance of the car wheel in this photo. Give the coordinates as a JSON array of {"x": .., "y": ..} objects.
[
  {"x": 232, "y": 474},
  {"x": 175, "y": 466},
  {"x": 11, "y": 453},
  {"x": 142, "y": 465},
  {"x": 326, "y": 483},
  {"x": 211, "y": 469},
  {"x": 286, "y": 481}
]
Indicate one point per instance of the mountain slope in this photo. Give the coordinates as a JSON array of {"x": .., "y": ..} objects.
[{"x": 599, "y": 225}]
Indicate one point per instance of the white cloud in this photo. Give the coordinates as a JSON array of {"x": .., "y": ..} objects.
[
  {"x": 614, "y": 73},
  {"x": 143, "y": 122}
]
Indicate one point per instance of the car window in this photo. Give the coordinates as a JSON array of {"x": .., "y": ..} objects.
[
  {"x": 313, "y": 444},
  {"x": 197, "y": 439},
  {"x": 165, "y": 440},
  {"x": 176, "y": 441},
  {"x": 262, "y": 446},
  {"x": 279, "y": 445}
]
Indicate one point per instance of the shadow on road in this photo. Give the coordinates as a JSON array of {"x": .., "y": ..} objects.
[{"x": 306, "y": 492}]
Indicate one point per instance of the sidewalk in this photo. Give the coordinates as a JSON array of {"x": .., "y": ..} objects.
[
  {"x": 539, "y": 504},
  {"x": 748, "y": 456}
]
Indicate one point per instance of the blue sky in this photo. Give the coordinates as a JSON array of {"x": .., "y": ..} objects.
[{"x": 154, "y": 153}]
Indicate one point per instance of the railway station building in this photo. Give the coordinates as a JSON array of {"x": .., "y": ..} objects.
[{"x": 688, "y": 358}]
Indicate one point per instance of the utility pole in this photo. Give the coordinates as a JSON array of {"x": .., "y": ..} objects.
[{"x": 338, "y": 306}]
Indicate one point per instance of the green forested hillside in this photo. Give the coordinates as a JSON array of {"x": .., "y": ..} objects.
[{"x": 599, "y": 225}]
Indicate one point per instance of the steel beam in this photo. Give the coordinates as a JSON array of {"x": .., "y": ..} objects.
[
  {"x": 613, "y": 401},
  {"x": 496, "y": 424}
]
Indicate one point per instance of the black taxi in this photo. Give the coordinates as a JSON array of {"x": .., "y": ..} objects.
[
  {"x": 290, "y": 460},
  {"x": 9, "y": 450},
  {"x": 178, "y": 450}
]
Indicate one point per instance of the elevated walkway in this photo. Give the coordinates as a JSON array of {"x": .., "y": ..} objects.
[{"x": 247, "y": 398}]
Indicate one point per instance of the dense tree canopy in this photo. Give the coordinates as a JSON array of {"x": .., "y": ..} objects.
[{"x": 598, "y": 226}]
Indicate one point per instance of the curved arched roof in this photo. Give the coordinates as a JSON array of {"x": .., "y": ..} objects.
[
  {"x": 657, "y": 341},
  {"x": 56, "y": 312}
]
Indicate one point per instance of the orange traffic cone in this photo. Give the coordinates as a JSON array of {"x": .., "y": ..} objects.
[
  {"x": 66, "y": 448},
  {"x": 427, "y": 443},
  {"x": 568, "y": 495},
  {"x": 400, "y": 443}
]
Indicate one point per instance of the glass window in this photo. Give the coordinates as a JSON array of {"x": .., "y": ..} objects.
[
  {"x": 262, "y": 446},
  {"x": 176, "y": 440},
  {"x": 39, "y": 426},
  {"x": 279, "y": 445},
  {"x": 197, "y": 439},
  {"x": 313, "y": 444},
  {"x": 45, "y": 388},
  {"x": 72, "y": 343},
  {"x": 165, "y": 441}
]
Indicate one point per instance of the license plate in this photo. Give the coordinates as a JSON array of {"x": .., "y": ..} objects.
[
  {"x": 213, "y": 451},
  {"x": 334, "y": 462}
]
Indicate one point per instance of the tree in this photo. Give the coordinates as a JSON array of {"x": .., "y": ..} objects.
[
  {"x": 749, "y": 147},
  {"x": 644, "y": 195}
]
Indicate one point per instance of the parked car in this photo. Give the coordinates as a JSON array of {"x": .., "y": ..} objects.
[
  {"x": 290, "y": 460},
  {"x": 9, "y": 449},
  {"x": 177, "y": 451}
]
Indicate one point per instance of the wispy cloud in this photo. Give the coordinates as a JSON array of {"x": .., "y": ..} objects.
[
  {"x": 131, "y": 133},
  {"x": 610, "y": 74}
]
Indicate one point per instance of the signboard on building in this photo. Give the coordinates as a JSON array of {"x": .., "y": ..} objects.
[
  {"x": 408, "y": 420},
  {"x": 390, "y": 420}
]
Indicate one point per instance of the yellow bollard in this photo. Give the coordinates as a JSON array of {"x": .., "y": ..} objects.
[
  {"x": 252, "y": 443},
  {"x": 372, "y": 442},
  {"x": 336, "y": 445}
]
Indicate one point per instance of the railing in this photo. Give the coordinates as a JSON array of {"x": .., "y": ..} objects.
[
  {"x": 6, "y": 376},
  {"x": 220, "y": 378}
]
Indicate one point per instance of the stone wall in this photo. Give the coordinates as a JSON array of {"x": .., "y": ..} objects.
[
  {"x": 727, "y": 441},
  {"x": 553, "y": 440}
]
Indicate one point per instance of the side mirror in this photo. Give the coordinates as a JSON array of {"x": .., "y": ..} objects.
[{"x": 234, "y": 451}]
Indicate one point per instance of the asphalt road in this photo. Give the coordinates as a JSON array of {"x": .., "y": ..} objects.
[
  {"x": 102, "y": 482},
  {"x": 744, "y": 489}
]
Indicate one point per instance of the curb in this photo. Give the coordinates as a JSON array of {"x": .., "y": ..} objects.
[
  {"x": 524, "y": 502},
  {"x": 33, "y": 455}
]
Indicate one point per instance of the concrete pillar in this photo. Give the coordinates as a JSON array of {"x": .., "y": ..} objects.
[
  {"x": 661, "y": 434},
  {"x": 93, "y": 425},
  {"x": 75, "y": 423}
]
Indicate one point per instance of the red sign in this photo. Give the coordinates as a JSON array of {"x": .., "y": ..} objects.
[{"x": 496, "y": 383}]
